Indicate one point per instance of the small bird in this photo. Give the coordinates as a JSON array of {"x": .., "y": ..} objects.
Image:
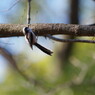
[{"x": 32, "y": 40}]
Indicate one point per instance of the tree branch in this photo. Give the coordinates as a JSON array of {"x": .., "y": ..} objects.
[
  {"x": 70, "y": 40},
  {"x": 12, "y": 30}
]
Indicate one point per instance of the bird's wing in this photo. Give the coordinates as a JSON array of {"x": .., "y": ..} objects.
[{"x": 29, "y": 37}]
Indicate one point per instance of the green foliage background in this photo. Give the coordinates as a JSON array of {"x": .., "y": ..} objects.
[{"x": 76, "y": 78}]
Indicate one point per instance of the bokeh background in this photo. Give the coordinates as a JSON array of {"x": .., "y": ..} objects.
[{"x": 71, "y": 69}]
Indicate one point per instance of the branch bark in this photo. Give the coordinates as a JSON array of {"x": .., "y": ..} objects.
[{"x": 15, "y": 30}]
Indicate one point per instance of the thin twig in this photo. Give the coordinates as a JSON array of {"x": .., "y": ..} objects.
[
  {"x": 15, "y": 2},
  {"x": 11, "y": 60},
  {"x": 29, "y": 12},
  {"x": 70, "y": 40},
  {"x": 92, "y": 24}
]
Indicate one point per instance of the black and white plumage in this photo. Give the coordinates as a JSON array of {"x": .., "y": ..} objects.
[{"x": 32, "y": 40}]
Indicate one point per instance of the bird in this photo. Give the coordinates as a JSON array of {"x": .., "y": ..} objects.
[{"x": 32, "y": 40}]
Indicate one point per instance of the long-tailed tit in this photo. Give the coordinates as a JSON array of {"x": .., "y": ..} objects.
[{"x": 32, "y": 40}]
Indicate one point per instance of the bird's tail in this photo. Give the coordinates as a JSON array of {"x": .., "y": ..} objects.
[{"x": 45, "y": 50}]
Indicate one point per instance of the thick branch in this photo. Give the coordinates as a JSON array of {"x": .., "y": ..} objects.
[{"x": 11, "y": 30}]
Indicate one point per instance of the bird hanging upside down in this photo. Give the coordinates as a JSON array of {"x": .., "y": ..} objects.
[{"x": 32, "y": 40}]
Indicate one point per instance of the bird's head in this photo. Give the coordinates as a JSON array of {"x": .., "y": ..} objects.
[{"x": 25, "y": 30}]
